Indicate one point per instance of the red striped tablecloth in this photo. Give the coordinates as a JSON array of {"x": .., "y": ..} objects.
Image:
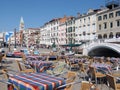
[{"x": 36, "y": 81}]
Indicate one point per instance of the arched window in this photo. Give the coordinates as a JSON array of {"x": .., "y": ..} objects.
[
  {"x": 105, "y": 36},
  {"x": 99, "y": 36},
  {"x": 111, "y": 35},
  {"x": 117, "y": 34}
]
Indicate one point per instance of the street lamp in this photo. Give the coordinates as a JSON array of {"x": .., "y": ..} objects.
[{"x": 15, "y": 37}]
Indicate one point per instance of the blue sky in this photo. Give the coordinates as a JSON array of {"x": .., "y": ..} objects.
[{"x": 37, "y": 12}]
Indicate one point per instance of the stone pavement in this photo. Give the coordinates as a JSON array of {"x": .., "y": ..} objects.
[{"x": 12, "y": 65}]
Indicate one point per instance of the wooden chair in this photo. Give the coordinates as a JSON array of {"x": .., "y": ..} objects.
[
  {"x": 71, "y": 65},
  {"x": 22, "y": 68},
  {"x": 59, "y": 68},
  {"x": 81, "y": 66},
  {"x": 95, "y": 74},
  {"x": 10, "y": 85},
  {"x": 74, "y": 66},
  {"x": 1, "y": 57},
  {"x": 70, "y": 81},
  {"x": 112, "y": 82},
  {"x": 86, "y": 85},
  {"x": 6, "y": 76},
  {"x": 23, "y": 57},
  {"x": 82, "y": 70}
]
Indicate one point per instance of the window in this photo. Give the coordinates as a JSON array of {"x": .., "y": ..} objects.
[
  {"x": 80, "y": 21},
  {"x": 73, "y": 29},
  {"x": 99, "y": 36},
  {"x": 83, "y": 25},
  {"x": 88, "y": 33},
  {"x": 100, "y": 27},
  {"x": 111, "y": 35},
  {"x": 105, "y": 17},
  {"x": 84, "y": 33},
  {"x": 117, "y": 13},
  {"x": 88, "y": 19},
  {"x": 84, "y": 20},
  {"x": 105, "y": 36},
  {"x": 99, "y": 18},
  {"x": 117, "y": 34},
  {"x": 105, "y": 25},
  {"x": 118, "y": 23},
  {"x": 88, "y": 24},
  {"x": 111, "y": 15},
  {"x": 111, "y": 24}
]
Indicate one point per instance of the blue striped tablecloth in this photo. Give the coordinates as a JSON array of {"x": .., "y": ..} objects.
[{"x": 36, "y": 81}]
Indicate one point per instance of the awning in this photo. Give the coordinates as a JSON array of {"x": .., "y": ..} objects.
[{"x": 72, "y": 45}]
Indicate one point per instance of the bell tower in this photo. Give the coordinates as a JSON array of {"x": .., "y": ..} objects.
[
  {"x": 21, "y": 30},
  {"x": 21, "y": 27}
]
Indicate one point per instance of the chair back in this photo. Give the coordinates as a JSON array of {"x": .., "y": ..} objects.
[
  {"x": 81, "y": 66},
  {"x": 111, "y": 81},
  {"x": 1, "y": 56},
  {"x": 93, "y": 71},
  {"x": 20, "y": 66},
  {"x": 23, "y": 57},
  {"x": 4, "y": 71},
  {"x": 71, "y": 76},
  {"x": 85, "y": 85},
  {"x": 59, "y": 67}
]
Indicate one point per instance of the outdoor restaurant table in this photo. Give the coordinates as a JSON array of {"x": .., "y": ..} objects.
[
  {"x": 35, "y": 57},
  {"x": 39, "y": 64},
  {"x": 36, "y": 81},
  {"x": 105, "y": 67}
]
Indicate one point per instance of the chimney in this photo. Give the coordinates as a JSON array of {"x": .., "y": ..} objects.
[{"x": 78, "y": 14}]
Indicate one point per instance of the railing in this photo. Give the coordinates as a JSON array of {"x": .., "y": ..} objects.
[{"x": 104, "y": 41}]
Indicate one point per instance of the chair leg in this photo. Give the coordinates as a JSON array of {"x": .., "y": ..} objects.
[
  {"x": 101, "y": 83},
  {"x": 96, "y": 80}
]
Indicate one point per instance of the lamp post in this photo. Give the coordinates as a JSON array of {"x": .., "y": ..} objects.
[
  {"x": 15, "y": 37},
  {"x": 9, "y": 44}
]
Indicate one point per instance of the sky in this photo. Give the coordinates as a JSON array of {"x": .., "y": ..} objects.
[{"x": 36, "y": 13}]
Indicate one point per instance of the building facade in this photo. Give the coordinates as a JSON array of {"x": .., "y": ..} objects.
[
  {"x": 108, "y": 21},
  {"x": 70, "y": 31},
  {"x": 86, "y": 26}
]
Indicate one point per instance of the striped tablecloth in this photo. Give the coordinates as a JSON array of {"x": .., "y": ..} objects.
[
  {"x": 35, "y": 57},
  {"x": 36, "y": 81},
  {"x": 103, "y": 66},
  {"x": 39, "y": 64}
]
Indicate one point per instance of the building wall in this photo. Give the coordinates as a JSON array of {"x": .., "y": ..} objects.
[
  {"x": 112, "y": 24},
  {"x": 85, "y": 27},
  {"x": 62, "y": 34},
  {"x": 70, "y": 30}
]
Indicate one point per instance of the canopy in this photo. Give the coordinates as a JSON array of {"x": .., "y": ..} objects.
[{"x": 72, "y": 45}]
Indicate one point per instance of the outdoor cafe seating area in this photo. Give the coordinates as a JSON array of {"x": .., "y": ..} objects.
[{"x": 53, "y": 71}]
